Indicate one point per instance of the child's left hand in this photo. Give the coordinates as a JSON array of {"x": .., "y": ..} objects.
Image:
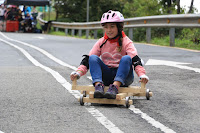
[{"x": 144, "y": 79}]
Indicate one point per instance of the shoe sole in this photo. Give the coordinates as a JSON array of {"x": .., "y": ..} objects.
[
  {"x": 98, "y": 94},
  {"x": 110, "y": 96}
]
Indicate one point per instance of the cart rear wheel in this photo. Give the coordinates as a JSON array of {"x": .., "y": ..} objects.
[
  {"x": 81, "y": 100},
  {"x": 127, "y": 102}
]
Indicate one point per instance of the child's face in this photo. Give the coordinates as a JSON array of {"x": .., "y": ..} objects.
[{"x": 110, "y": 29}]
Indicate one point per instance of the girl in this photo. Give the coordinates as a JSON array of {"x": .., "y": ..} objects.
[{"x": 112, "y": 58}]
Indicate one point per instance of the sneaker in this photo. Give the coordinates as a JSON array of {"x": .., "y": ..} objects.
[
  {"x": 112, "y": 91},
  {"x": 99, "y": 91}
]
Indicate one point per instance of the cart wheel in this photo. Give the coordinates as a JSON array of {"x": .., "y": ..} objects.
[
  {"x": 147, "y": 94},
  {"x": 81, "y": 100},
  {"x": 127, "y": 102},
  {"x": 84, "y": 93}
]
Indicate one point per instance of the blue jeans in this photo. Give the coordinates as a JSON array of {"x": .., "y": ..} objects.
[{"x": 102, "y": 73}]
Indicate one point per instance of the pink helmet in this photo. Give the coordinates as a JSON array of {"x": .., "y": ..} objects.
[{"x": 112, "y": 16}]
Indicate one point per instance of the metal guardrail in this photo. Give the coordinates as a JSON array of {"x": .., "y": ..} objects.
[{"x": 167, "y": 21}]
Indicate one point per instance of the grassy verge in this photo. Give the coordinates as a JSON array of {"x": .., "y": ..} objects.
[
  {"x": 188, "y": 44},
  {"x": 61, "y": 33},
  {"x": 158, "y": 41}
]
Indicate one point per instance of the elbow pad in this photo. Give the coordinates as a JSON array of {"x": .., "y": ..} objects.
[
  {"x": 137, "y": 61},
  {"x": 85, "y": 61}
]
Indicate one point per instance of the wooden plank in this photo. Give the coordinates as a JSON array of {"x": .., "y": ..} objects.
[
  {"x": 131, "y": 89},
  {"x": 143, "y": 94},
  {"x": 121, "y": 96},
  {"x": 140, "y": 94},
  {"x": 84, "y": 88},
  {"x": 150, "y": 94},
  {"x": 91, "y": 94},
  {"x": 106, "y": 101}
]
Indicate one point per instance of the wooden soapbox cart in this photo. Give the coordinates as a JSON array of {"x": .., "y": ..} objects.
[{"x": 122, "y": 98}]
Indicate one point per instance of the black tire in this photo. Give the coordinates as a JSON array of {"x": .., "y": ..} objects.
[
  {"x": 147, "y": 94},
  {"x": 81, "y": 100},
  {"x": 127, "y": 102}
]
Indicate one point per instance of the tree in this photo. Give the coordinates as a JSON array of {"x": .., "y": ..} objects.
[
  {"x": 178, "y": 6},
  {"x": 191, "y": 7},
  {"x": 138, "y": 8},
  {"x": 70, "y": 10},
  {"x": 168, "y": 6}
]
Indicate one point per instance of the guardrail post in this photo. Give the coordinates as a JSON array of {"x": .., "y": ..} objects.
[
  {"x": 79, "y": 32},
  {"x": 95, "y": 34},
  {"x": 66, "y": 32},
  {"x": 130, "y": 33},
  {"x": 87, "y": 34},
  {"x": 172, "y": 36},
  {"x": 56, "y": 29},
  {"x": 148, "y": 35},
  {"x": 73, "y": 31}
]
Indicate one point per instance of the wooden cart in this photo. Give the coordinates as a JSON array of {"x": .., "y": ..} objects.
[{"x": 122, "y": 98}]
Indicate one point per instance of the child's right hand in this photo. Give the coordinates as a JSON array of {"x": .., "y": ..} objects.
[{"x": 74, "y": 75}]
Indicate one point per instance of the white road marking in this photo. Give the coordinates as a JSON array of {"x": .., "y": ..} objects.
[
  {"x": 150, "y": 120},
  {"x": 137, "y": 111},
  {"x": 42, "y": 51},
  {"x": 172, "y": 63},
  {"x": 97, "y": 114},
  {"x": 39, "y": 37}
]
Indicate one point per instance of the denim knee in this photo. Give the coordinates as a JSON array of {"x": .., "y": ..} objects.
[
  {"x": 93, "y": 58},
  {"x": 126, "y": 59}
]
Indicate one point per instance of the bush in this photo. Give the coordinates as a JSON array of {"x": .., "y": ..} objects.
[{"x": 192, "y": 34}]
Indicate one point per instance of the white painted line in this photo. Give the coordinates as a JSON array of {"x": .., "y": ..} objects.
[
  {"x": 42, "y": 51},
  {"x": 172, "y": 64},
  {"x": 150, "y": 120},
  {"x": 39, "y": 37},
  {"x": 98, "y": 115},
  {"x": 132, "y": 108}
]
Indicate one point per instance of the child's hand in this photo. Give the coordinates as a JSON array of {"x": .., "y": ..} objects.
[
  {"x": 74, "y": 75},
  {"x": 144, "y": 79}
]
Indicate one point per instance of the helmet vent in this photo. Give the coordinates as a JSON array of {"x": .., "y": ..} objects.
[
  {"x": 107, "y": 16},
  {"x": 113, "y": 15},
  {"x": 109, "y": 11},
  {"x": 104, "y": 16}
]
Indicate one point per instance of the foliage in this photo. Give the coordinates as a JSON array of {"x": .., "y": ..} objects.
[
  {"x": 76, "y": 10},
  {"x": 192, "y": 34},
  {"x": 181, "y": 43},
  {"x": 138, "y": 8}
]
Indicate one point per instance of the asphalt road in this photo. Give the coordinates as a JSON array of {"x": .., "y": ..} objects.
[{"x": 36, "y": 96}]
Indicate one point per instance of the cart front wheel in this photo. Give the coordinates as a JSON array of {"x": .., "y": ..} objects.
[{"x": 148, "y": 94}]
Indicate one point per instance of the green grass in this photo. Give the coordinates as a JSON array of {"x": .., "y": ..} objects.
[
  {"x": 51, "y": 17},
  {"x": 59, "y": 33},
  {"x": 188, "y": 44}
]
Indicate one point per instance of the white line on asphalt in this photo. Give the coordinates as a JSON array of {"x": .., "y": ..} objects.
[
  {"x": 150, "y": 120},
  {"x": 172, "y": 64},
  {"x": 42, "y": 51},
  {"x": 39, "y": 37},
  {"x": 98, "y": 115}
]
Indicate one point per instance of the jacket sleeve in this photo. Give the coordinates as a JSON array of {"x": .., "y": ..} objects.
[
  {"x": 84, "y": 65},
  {"x": 132, "y": 52}
]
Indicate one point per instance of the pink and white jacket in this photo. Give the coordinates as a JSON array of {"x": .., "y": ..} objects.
[{"x": 110, "y": 55}]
